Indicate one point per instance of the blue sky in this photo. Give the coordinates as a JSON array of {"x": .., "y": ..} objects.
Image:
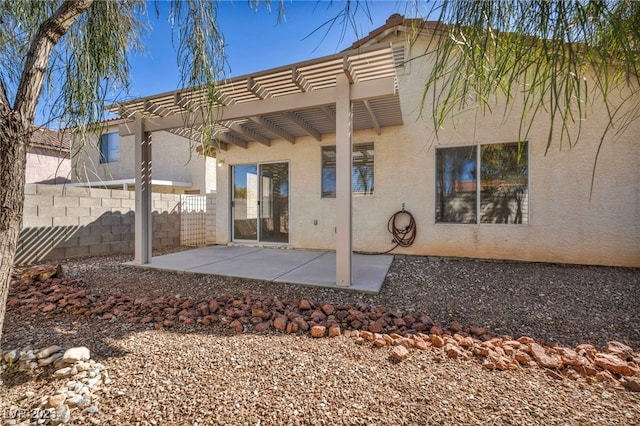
[{"x": 256, "y": 41}]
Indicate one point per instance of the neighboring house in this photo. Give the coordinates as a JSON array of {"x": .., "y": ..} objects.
[
  {"x": 475, "y": 191},
  {"x": 48, "y": 157},
  {"x": 107, "y": 161}
]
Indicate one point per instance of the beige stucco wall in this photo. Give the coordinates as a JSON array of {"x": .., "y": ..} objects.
[
  {"x": 173, "y": 159},
  {"x": 47, "y": 166},
  {"x": 567, "y": 222}
]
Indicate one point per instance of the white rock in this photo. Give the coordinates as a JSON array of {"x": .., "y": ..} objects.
[
  {"x": 47, "y": 352},
  {"x": 50, "y": 360},
  {"x": 81, "y": 353},
  {"x": 74, "y": 401},
  {"x": 62, "y": 415},
  {"x": 65, "y": 372},
  {"x": 11, "y": 356}
]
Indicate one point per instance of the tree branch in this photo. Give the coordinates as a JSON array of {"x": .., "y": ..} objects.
[{"x": 48, "y": 34}]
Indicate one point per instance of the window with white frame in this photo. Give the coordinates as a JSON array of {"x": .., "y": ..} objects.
[
  {"x": 486, "y": 183},
  {"x": 109, "y": 148},
  {"x": 362, "y": 170}
]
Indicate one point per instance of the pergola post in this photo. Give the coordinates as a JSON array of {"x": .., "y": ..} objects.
[
  {"x": 343, "y": 182},
  {"x": 143, "y": 219}
]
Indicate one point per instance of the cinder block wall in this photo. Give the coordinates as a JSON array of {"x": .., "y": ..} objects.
[
  {"x": 63, "y": 221},
  {"x": 211, "y": 218}
]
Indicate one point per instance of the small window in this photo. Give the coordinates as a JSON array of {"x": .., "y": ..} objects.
[
  {"x": 492, "y": 187},
  {"x": 109, "y": 148},
  {"x": 362, "y": 170}
]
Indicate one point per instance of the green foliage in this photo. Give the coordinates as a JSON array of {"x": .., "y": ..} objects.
[{"x": 554, "y": 57}]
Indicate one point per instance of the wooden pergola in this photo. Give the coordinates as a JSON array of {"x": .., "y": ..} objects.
[{"x": 351, "y": 90}]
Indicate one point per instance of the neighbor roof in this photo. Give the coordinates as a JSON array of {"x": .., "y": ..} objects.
[{"x": 48, "y": 138}]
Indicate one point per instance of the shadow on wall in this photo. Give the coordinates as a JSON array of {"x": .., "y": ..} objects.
[{"x": 112, "y": 232}]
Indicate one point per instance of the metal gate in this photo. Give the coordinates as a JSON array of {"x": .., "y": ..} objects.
[{"x": 193, "y": 220}]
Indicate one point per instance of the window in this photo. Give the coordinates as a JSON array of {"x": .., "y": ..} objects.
[
  {"x": 493, "y": 181},
  {"x": 109, "y": 148},
  {"x": 362, "y": 170}
]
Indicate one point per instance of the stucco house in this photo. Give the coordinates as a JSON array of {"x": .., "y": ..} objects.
[
  {"x": 48, "y": 157},
  {"x": 107, "y": 161},
  {"x": 321, "y": 154}
]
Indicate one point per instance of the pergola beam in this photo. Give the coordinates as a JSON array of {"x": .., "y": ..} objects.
[
  {"x": 273, "y": 128},
  {"x": 329, "y": 114},
  {"x": 301, "y": 122},
  {"x": 372, "y": 116},
  {"x": 299, "y": 101},
  {"x": 231, "y": 139},
  {"x": 257, "y": 89},
  {"x": 299, "y": 80},
  {"x": 247, "y": 132}
]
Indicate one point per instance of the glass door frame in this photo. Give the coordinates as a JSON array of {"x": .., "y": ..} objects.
[{"x": 260, "y": 192}]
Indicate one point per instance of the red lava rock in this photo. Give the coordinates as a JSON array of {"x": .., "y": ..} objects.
[
  {"x": 586, "y": 370},
  {"x": 366, "y": 335},
  {"x": 213, "y": 306},
  {"x": 420, "y": 344},
  {"x": 356, "y": 324},
  {"x": 318, "y": 331},
  {"x": 318, "y": 316},
  {"x": 623, "y": 351},
  {"x": 544, "y": 360},
  {"x": 400, "y": 353},
  {"x": 454, "y": 351},
  {"x": 304, "y": 305},
  {"x": 614, "y": 364},
  {"x": 403, "y": 341},
  {"x": 302, "y": 324},
  {"x": 522, "y": 358},
  {"x": 526, "y": 340},
  {"x": 168, "y": 323},
  {"x": 437, "y": 341},
  {"x": 359, "y": 340},
  {"x": 438, "y": 331},
  {"x": 334, "y": 331},
  {"x": 49, "y": 307},
  {"x": 280, "y": 323},
  {"x": 133, "y": 320},
  {"x": 146, "y": 320},
  {"x": 570, "y": 357},
  {"x": 586, "y": 349},
  {"x": 379, "y": 343},
  {"x": 258, "y": 313},
  {"x": 477, "y": 331},
  {"x": 328, "y": 309},
  {"x": 187, "y": 320},
  {"x": 237, "y": 326},
  {"x": 292, "y": 327},
  {"x": 107, "y": 316},
  {"x": 631, "y": 383},
  {"x": 455, "y": 327},
  {"x": 375, "y": 327},
  {"x": 409, "y": 320},
  {"x": 261, "y": 327},
  {"x": 399, "y": 322}
]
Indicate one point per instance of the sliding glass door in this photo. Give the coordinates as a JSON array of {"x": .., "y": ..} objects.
[{"x": 260, "y": 202}]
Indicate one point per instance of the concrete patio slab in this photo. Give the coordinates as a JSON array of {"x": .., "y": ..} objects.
[{"x": 306, "y": 267}]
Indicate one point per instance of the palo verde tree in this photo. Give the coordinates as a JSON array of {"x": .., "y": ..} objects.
[{"x": 77, "y": 53}]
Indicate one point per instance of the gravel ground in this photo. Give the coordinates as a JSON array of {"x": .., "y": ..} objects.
[{"x": 207, "y": 375}]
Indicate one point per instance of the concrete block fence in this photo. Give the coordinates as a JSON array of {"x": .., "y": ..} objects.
[{"x": 63, "y": 221}]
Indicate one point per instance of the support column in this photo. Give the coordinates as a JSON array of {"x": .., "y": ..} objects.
[
  {"x": 143, "y": 218},
  {"x": 344, "y": 150}
]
